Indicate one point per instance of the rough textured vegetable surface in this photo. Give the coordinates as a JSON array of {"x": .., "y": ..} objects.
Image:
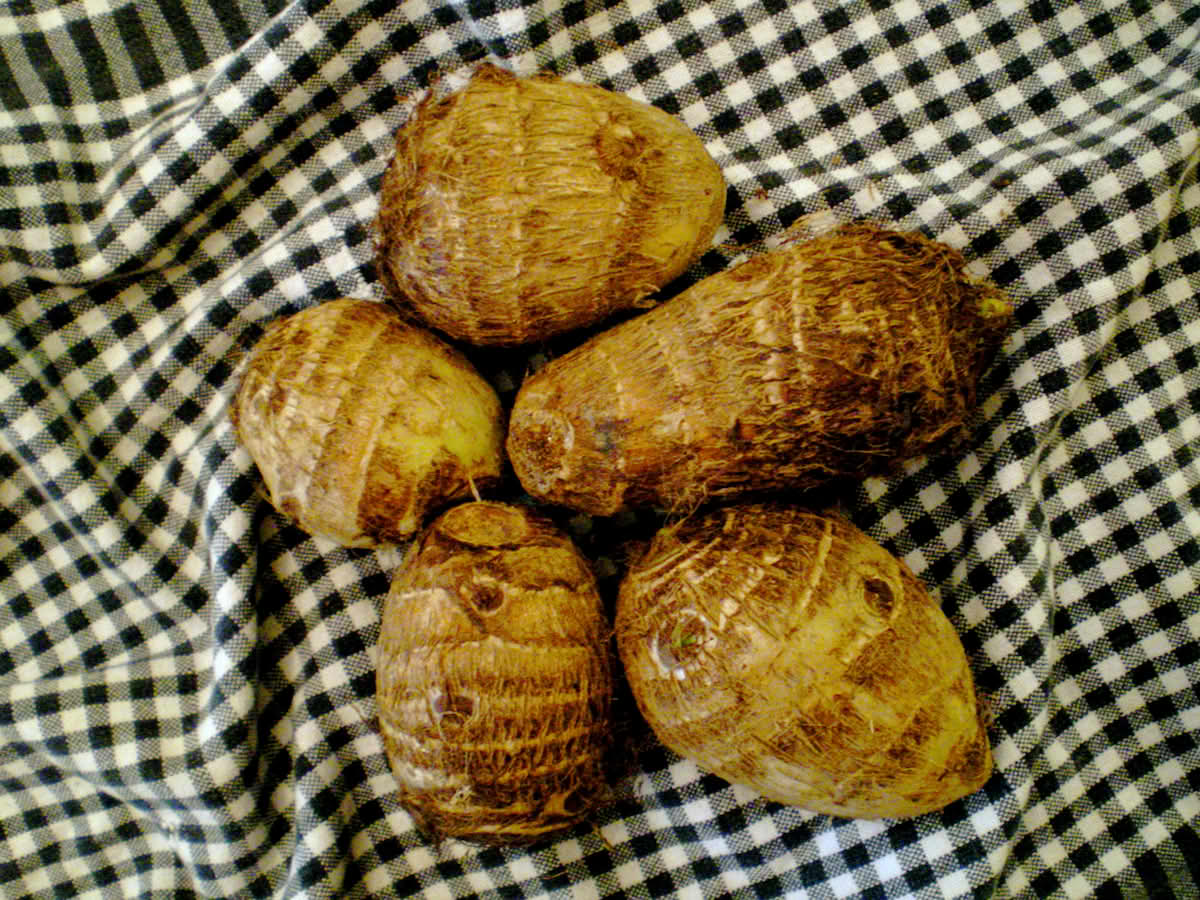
[
  {"x": 361, "y": 424},
  {"x": 494, "y": 678},
  {"x": 518, "y": 208},
  {"x": 786, "y": 650},
  {"x": 835, "y": 357}
]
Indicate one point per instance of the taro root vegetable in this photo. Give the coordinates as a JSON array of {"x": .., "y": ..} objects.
[
  {"x": 836, "y": 357},
  {"x": 786, "y": 650},
  {"x": 362, "y": 424},
  {"x": 518, "y": 208},
  {"x": 494, "y": 678}
]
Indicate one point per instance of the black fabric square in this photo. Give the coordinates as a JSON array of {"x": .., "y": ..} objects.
[
  {"x": 751, "y": 63},
  {"x": 770, "y": 100},
  {"x": 727, "y": 121},
  {"x": 626, "y": 32},
  {"x": 660, "y": 885},
  {"x": 894, "y": 132},
  {"x": 835, "y": 20},
  {"x": 919, "y": 877},
  {"x": 138, "y": 43},
  {"x": 708, "y": 84},
  {"x": 689, "y": 45},
  {"x": 770, "y": 887},
  {"x": 855, "y": 57},
  {"x": 898, "y": 36},
  {"x": 832, "y": 116},
  {"x": 813, "y": 874},
  {"x": 874, "y": 93},
  {"x": 900, "y": 206},
  {"x": 645, "y": 69}
]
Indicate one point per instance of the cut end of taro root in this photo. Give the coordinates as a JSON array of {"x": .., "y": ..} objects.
[
  {"x": 539, "y": 445},
  {"x": 484, "y": 524}
]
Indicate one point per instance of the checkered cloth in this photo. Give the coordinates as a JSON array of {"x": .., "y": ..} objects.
[{"x": 186, "y": 681}]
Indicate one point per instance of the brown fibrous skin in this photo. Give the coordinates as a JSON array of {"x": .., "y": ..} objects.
[
  {"x": 837, "y": 357},
  {"x": 362, "y": 424},
  {"x": 785, "y": 650},
  {"x": 515, "y": 209},
  {"x": 494, "y": 678}
]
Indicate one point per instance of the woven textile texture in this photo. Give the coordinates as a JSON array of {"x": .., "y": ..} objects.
[{"x": 187, "y": 681}]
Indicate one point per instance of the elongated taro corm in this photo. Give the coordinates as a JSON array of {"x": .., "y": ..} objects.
[
  {"x": 785, "y": 650},
  {"x": 362, "y": 424},
  {"x": 518, "y": 208},
  {"x": 494, "y": 678},
  {"x": 837, "y": 357}
]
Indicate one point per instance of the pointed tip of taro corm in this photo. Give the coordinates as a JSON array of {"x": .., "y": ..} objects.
[{"x": 995, "y": 306}]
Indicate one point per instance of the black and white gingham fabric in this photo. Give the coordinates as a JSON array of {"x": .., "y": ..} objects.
[{"x": 186, "y": 682}]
